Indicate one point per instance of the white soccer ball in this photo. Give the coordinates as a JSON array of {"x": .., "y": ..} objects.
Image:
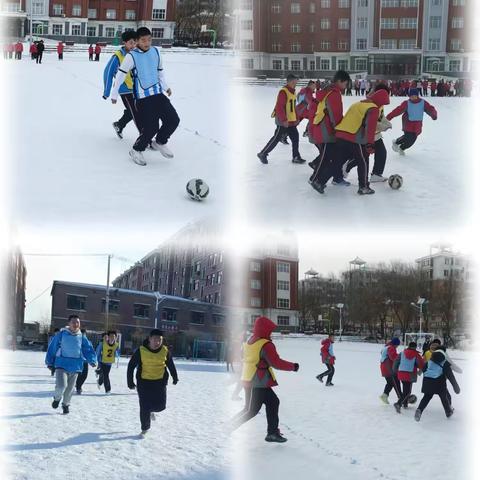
[
  {"x": 197, "y": 189},
  {"x": 395, "y": 181}
]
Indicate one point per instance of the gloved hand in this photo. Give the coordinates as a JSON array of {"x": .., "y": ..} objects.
[
  {"x": 296, "y": 366},
  {"x": 370, "y": 148},
  {"x": 50, "y": 367},
  {"x": 175, "y": 381},
  {"x": 131, "y": 386},
  {"x": 97, "y": 371}
]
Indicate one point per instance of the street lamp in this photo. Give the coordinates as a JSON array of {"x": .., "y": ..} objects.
[
  {"x": 419, "y": 306},
  {"x": 339, "y": 307}
]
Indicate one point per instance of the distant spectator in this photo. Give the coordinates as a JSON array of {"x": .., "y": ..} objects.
[
  {"x": 60, "y": 48},
  {"x": 90, "y": 53},
  {"x": 18, "y": 50},
  {"x": 98, "y": 51}
]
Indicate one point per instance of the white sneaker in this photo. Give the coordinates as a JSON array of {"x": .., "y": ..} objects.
[
  {"x": 377, "y": 178},
  {"x": 137, "y": 157},
  {"x": 163, "y": 149},
  {"x": 395, "y": 146}
]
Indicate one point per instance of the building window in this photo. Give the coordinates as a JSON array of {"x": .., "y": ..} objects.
[
  {"x": 343, "y": 3},
  {"x": 141, "y": 310},
  {"x": 247, "y": 45},
  {"x": 283, "y": 303},
  {"x": 255, "y": 284},
  {"x": 434, "y": 44},
  {"x": 294, "y": 7},
  {"x": 113, "y": 306},
  {"x": 256, "y": 266},
  {"x": 110, "y": 32},
  {"x": 407, "y": 44},
  {"x": 218, "y": 320},
  {"x": 92, "y": 13},
  {"x": 388, "y": 44},
  {"x": 11, "y": 7},
  {"x": 325, "y": 24},
  {"x": 457, "y": 22},
  {"x": 455, "y": 44},
  {"x": 283, "y": 267},
  {"x": 325, "y": 45},
  {"x": 362, "y": 23},
  {"x": 446, "y": 273},
  {"x": 198, "y": 318},
  {"x": 312, "y": 65},
  {"x": 276, "y": 47},
  {"x": 312, "y": 7},
  {"x": 246, "y": 4},
  {"x": 276, "y": 8},
  {"x": 343, "y": 23},
  {"x": 361, "y": 43},
  {"x": 361, "y": 64},
  {"x": 276, "y": 28},
  {"x": 57, "y": 29},
  {"x": 408, "y": 23},
  {"x": 247, "y": 25},
  {"x": 130, "y": 14},
  {"x": 276, "y": 65},
  {"x": 363, "y": 3},
  {"x": 342, "y": 45},
  {"x": 458, "y": 3},
  {"x": 169, "y": 314},
  {"x": 38, "y": 8},
  {"x": 388, "y": 23},
  {"x": 325, "y": 64},
  {"x": 158, "y": 14},
  {"x": 57, "y": 9},
  {"x": 455, "y": 65},
  {"x": 76, "y": 11},
  {"x": 323, "y": 4},
  {"x": 295, "y": 47},
  {"x": 255, "y": 302},
  {"x": 312, "y": 28},
  {"x": 158, "y": 32},
  {"x": 91, "y": 31},
  {"x": 409, "y": 3},
  {"x": 343, "y": 65},
  {"x": 76, "y": 302},
  {"x": 76, "y": 30},
  {"x": 390, "y": 3},
  {"x": 283, "y": 285},
  {"x": 247, "y": 63},
  {"x": 436, "y": 3},
  {"x": 111, "y": 14},
  {"x": 435, "y": 22},
  {"x": 296, "y": 65},
  {"x": 283, "y": 320},
  {"x": 295, "y": 28}
]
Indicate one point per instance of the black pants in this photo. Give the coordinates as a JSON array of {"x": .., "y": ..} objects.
[
  {"x": 406, "y": 392},
  {"x": 18, "y": 55},
  {"x": 254, "y": 399},
  {"x": 425, "y": 92},
  {"x": 325, "y": 163},
  {"x": 280, "y": 131},
  {"x": 443, "y": 397},
  {"x": 392, "y": 384},
  {"x": 406, "y": 140},
  {"x": 130, "y": 112},
  {"x": 150, "y": 111},
  {"x": 90, "y": 57},
  {"x": 60, "y": 56},
  {"x": 146, "y": 407},
  {"x": 329, "y": 372},
  {"x": 82, "y": 376},
  {"x": 39, "y": 57},
  {"x": 380, "y": 158},
  {"x": 97, "y": 57},
  {"x": 104, "y": 377}
]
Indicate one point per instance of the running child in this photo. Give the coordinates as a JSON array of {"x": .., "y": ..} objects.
[
  {"x": 328, "y": 358},
  {"x": 387, "y": 358},
  {"x": 107, "y": 351}
]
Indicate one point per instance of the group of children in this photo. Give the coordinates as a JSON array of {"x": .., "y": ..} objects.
[
  {"x": 70, "y": 353},
  {"x": 401, "y": 371},
  {"x": 344, "y": 140},
  {"x": 135, "y": 72}
]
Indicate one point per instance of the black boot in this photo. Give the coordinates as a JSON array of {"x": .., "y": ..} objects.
[
  {"x": 55, "y": 403},
  {"x": 65, "y": 409},
  {"x": 275, "y": 437},
  {"x": 117, "y": 129},
  {"x": 298, "y": 159},
  {"x": 262, "y": 157},
  {"x": 318, "y": 187}
]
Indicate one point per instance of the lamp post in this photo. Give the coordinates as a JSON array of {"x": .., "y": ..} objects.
[{"x": 339, "y": 307}]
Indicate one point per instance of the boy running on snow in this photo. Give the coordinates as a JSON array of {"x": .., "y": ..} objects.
[
  {"x": 149, "y": 88},
  {"x": 412, "y": 111},
  {"x": 328, "y": 358},
  {"x": 388, "y": 356},
  {"x": 407, "y": 366},
  {"x": 260, "y": 357},
  {"x": 108, "y": 350},
  {"x": 151, "y": 360},
  {"x": 66, "y": 353}
]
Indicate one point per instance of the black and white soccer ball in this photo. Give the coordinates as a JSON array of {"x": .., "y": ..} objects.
[
  {"x": 412, "y": 399},
  {"x": 197, "y": 189},
  {"x": 395, "y": 181}
]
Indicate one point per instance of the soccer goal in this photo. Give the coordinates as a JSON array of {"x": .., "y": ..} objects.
[
  {"x": 419, "y": 337},
  {"x": 208, "y": 350}
]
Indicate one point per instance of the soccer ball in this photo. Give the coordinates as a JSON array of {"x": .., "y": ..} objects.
[
  {"x": 412, "y": 399},
  {"x": 197, "y": 189},
  {"x": 395, "y": 181}
]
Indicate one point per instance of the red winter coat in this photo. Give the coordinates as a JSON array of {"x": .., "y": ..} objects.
[
  {"x": 268, "y": 355},
  {"x": 303, "y": 108},
  {"x": 90, "y": 50},
  {"x": 60, "y": 48},
  {"x": 324, "y": 351},
  {"x": 386, "y": 367},
  {"x": 407, "y": 125},
  {"x": 19, "y": 47},
  {"x": 405, "y": 376},
  {"x": 11, "y": 47},
  {"x": 33, "y": 48},
  {"x": 281, "y": 107},
  {"x": 98, "y": 49},
  {"x": 324, "y": 132}
]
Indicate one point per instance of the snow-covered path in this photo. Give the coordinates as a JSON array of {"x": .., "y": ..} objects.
[
  {"x": 345, "y": 432},
  {"x": 100, "y": 436},
  {"x": 70, "y": 167}
]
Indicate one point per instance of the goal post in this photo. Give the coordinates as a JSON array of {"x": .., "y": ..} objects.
[
  {"x": 208, "y": 350},
  {"x": 420, "y": 338}
]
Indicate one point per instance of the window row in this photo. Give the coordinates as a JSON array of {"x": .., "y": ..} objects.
[{"x": 325, "y": 24}]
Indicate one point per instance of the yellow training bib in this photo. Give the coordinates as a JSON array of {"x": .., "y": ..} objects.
[
  {"x": 251, "y": 358},
  {"x": 321, "y": 107},
  {"x": 289, "y": 106},
  {"x": 153, "y": 364},
  {"x": 355, "y": 116},
  {"x": 128, "y": 79},
  {"x": 108, "y": 352}
]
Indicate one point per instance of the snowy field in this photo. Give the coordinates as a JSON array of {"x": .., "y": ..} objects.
[
  {"x": 100, "y": 435},
  {"x": 69, "y": 166},
  {"x": 436, "y": 172},
  {"x": 345, "y": 432}
]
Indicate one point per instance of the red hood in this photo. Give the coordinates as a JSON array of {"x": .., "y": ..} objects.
[
  {"x": 326, "y": 341},
  {"x": 380, "y": 98},
  {"x": 263, "y": 327},
  {"x": 410, "y": 353}
]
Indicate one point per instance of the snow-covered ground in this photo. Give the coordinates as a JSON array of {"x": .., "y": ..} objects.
[
  {"x": 100, "y": 435},
  {"x": 68, "y": 166},
  {"x": 345, "y": 432},
  {"x": 436, "y": 172}
]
